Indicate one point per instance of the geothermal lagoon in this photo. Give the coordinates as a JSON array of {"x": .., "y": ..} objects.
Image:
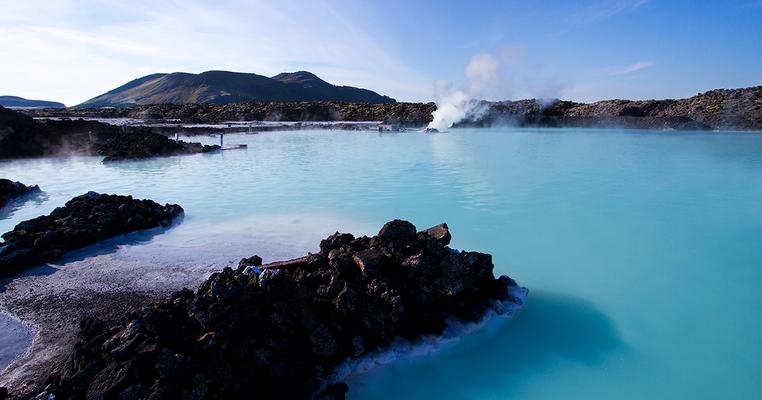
[{"x": 640, "y": 249}]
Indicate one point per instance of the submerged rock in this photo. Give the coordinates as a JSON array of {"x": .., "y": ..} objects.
[
  {"x": 84, "y": 220},
  {"x": 280, "y": 330},
  {"x": 10, "y": 190}
]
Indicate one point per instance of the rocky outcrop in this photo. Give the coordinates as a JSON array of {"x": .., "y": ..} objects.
[
  {"x": 22, "y": 137},
  {"x": 84, "y": 220},
  {"x": 716, "y": 109},
  {"x": 407, "y": 114},
  {"x": 280, "y": 330},
  {"x": 10, "y": 190},
  {"x": 143, "y": 143}
]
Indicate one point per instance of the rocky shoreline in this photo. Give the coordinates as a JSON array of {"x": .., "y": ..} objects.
[
  {"x": 280, "y": 330},
  {"x": 10, "y": 191},
  {"x": 84, "y": 220},
  {"x": 722, "y": 109},
  {"x": 24, "y": 137}
]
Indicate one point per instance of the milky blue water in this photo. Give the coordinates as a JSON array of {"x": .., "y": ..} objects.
[{"x": 642, "y": 250}]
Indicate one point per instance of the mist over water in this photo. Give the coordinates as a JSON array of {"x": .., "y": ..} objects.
[{"x": 642, "y": 260}]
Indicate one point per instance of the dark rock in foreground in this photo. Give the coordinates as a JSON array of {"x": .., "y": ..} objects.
[
  {"x": 280, "y": 330},
  {"x": 10, "y": 190},
  {"x": 84, "y": 220},
  {"x": 145, "y": 144}
]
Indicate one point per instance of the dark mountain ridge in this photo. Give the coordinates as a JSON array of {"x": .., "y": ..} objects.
[
  {"x": 224, "y": 87},
  {"x": 20, "y": 102}
]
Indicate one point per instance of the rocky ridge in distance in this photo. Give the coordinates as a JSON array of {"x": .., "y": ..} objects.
[{"x": 722, "y": 109}]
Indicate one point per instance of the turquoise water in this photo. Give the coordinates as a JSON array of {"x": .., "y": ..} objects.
[{"x": 642, "y": 250}]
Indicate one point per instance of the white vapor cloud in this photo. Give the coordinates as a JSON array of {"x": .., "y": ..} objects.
[
  {"x": 496, "y": 76},
  {"x": 482, "y": 72}
]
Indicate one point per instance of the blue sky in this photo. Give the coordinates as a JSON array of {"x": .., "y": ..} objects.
[{"x": 72, "y": 50}]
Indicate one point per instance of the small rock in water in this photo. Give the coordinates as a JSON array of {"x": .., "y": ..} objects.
[
  {"x": 84, "y": 220},
  {"x": 10, "y": 190}
]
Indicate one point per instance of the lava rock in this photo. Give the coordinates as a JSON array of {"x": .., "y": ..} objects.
[
  {"x": 22, "y": 136},
  {"x": 84, "y": 220},
  {"x": 281, "y": 330},
  {"x": 143, "y": 143},
  {"x": 10, "y": 190}
]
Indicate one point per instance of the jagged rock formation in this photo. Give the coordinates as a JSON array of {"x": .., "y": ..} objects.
[
  {"x": 10, "y": 190},
  {"x": 280, "y": 330},
  {"x": 22, "y": 136},
  {"x": 84, "y": 220},
  {"x": 223, "y": 87}
]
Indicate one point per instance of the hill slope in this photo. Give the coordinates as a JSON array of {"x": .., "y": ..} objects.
[
  {"x": 224, "y": 87},
  {"x": 20, "y": 102}
]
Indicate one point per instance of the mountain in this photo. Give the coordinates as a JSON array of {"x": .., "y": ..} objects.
[
  {"x": 20, "y": 102},
  {"x": 223, "y": 87}
]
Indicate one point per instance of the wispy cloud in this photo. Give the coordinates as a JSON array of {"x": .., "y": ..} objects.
[
  {"x": 80, "y": 50},
  {"x": 638, "y": 66},
  {"x": 604, "y": 9}
]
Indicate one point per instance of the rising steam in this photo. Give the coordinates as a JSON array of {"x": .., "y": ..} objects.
[{"x": 454, "y": 106}]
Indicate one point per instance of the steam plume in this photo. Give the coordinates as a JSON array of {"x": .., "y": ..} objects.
[{"x": 481, "y": 73}]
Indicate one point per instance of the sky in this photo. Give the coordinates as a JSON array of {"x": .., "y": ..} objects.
[{"x": 588, "y": 50}]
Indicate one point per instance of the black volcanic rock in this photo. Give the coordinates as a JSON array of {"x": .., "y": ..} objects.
[
  {"x": 224, "y": 87},
  {"x": 716, "y": 109},
  {"x": 84, "y": 220},
  {"x": 10, "y": 190},
  {"x": 406, "y": 114},
  {"x": 20, "y": 102},
  {"x": 279, "y": 331},
  {"x": 138, "y": 144},
  {"x": 22, "y": 136}
]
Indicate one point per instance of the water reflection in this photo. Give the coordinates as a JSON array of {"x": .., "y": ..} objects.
[{"x": 15, "y": 204}]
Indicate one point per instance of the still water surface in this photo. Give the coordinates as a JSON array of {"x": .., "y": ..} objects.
[{"x": 642, "y": 250}]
